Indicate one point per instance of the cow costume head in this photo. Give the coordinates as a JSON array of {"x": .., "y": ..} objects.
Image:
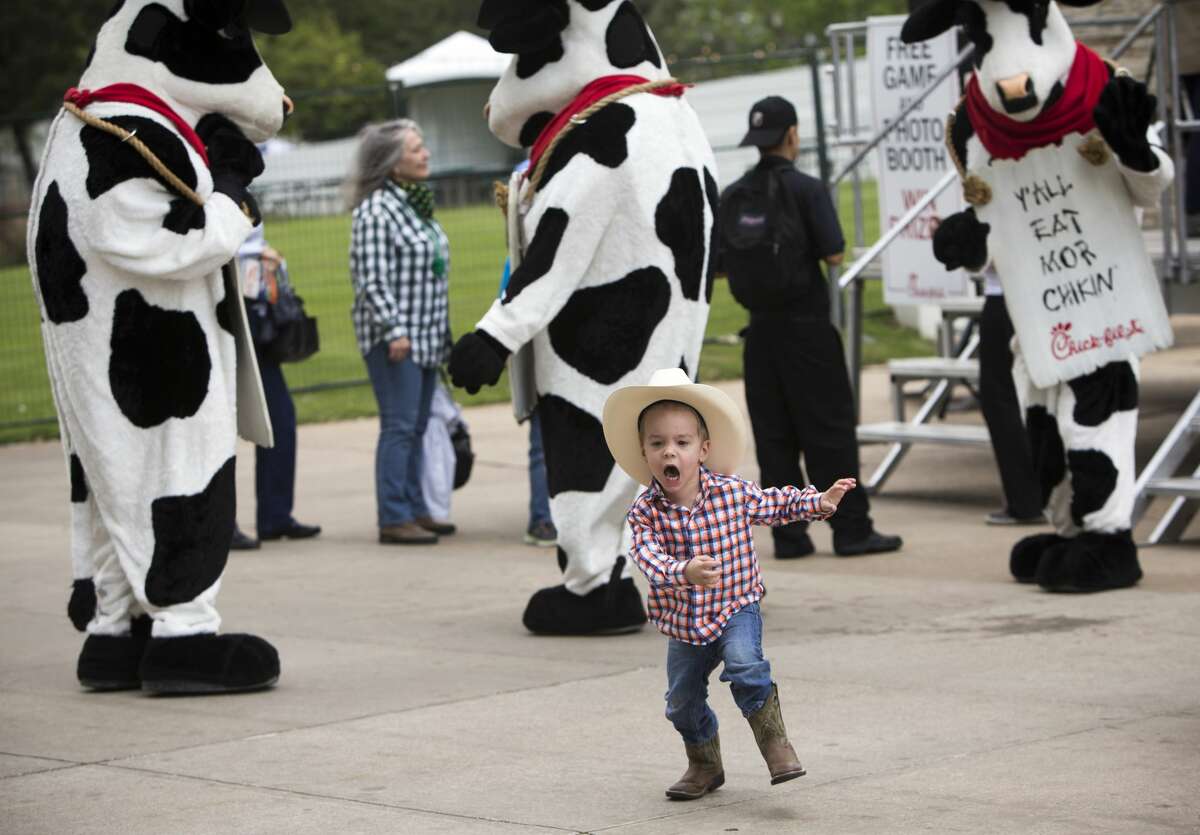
[
  {"x": 558, "y": 47},
  {"x": 198, "y": 55},
  {"x": 1023, "y": 48}
]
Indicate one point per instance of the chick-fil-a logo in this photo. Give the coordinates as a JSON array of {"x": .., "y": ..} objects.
[{"x": 1063, "y": 346}]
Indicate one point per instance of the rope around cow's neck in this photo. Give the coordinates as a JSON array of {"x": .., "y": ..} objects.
[{"x": 139, "y": 146}]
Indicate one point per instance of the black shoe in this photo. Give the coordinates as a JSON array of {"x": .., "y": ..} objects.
[
  {"x": 294, "y": 530},
  {"x": 873, "y": 543},
  {"x": 794, "y": 548},
  {"x": 1003, "y": 517},
  {"x": 241, "y": 542}
]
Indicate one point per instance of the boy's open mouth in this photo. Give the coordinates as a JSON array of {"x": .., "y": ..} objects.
[{"x": 671, "y": 472}]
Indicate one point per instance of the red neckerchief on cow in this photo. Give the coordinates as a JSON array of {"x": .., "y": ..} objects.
[
  {"x": 589, "y": 95},
  {"x": 134, "y": 94},
  {"x": 1006, "y": 138}
]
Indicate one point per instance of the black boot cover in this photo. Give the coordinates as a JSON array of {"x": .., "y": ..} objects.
[{"x": 201, "y": 664}]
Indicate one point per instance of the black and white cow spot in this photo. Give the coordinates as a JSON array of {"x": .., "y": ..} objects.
[
  {"x": 531, "y": 63},
  {"x": 713, "y": 194},
  {"x": 539, "y": 257},
  {"x": 191, "y": 540},
  {"x": 112, "y": 162},
  {"x": 602, "y": 332},
  {"x": 79, "y": 488},
  {"x": 1107, "y": 390},
  {"x": 683, "y": 366},
  {"x": 160, "y": 367},
  {"x": 577, "y": 458},
  {"x": 602, "y": 137},
  {"x": 533, "y": 128},
  {"x": 1049, "y": 453},
  {"x": 628, "y": 40},
  {"x": 1093, "y": 479},
  {"x": 60, "y": 269},
  {"x": 679, "y": 223},
  {"x": 189, "y": 49},
  {"x": 227, "y": 314}
]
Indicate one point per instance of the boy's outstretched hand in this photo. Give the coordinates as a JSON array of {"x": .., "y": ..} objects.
[
  {"x": 832, "y": 497},
  {"x": 703, "y": 571}
]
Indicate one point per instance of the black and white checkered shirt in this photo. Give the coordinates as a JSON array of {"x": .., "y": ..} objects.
[{"x": 396, "y": 290}]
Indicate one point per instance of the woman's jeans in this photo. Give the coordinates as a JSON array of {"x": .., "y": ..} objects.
[
  {"x": 404, "y": 392},
  {"x": 688, "y": 668},
  {"x": 539, "y": 492}
]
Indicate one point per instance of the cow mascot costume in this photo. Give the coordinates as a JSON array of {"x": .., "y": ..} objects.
[
  {"x": 612, "y": 231},
  {"x": 1052, "y": 145},
  {"x": 140, "y": 201}
]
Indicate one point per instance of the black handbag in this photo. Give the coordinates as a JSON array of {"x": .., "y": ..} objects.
[
  {"x": 464, "y": 457},
  {"x": 282, "y": 330},
  {"x": 296, "y": 336}
]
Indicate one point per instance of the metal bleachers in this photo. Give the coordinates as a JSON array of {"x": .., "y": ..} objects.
[
  {"x": 1160, "y": 478},
  {"x": 939, "y": 375}
]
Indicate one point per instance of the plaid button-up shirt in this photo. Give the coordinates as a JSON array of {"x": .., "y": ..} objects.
[
  {"x": 666, "y": 536},
  {"x": 396, "y": 289}
]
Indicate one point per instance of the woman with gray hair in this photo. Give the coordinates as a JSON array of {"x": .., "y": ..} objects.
[{"x": 399, "y": 263}]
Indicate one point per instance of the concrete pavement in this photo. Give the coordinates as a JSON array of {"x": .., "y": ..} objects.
[{"x": 925, "y": 691}]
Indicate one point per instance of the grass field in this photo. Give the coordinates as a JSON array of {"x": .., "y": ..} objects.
[{"x": 316, "y": 249}]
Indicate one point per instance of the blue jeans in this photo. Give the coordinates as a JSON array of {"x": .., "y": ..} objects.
[
  {"x": 539, "y": 492},
  {"x": 404, "y": 392},
  {"x": 688, "y": 668}
]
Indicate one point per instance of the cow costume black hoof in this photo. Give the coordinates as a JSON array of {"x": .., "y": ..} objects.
[
  {"x": 612, "y": 609},
  {"x": 1034, "y": 88},
  {"x": 610, "y": 237},
  {"x": 1090, "y": 562},
  {"x": 140, "y": 200}
]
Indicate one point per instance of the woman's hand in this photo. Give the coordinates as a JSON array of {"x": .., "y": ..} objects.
[
  {"x": 832, "y": 497},
  {"x": 399, "y": 349}
]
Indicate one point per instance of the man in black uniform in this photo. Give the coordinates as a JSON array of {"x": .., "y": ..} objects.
[{"x": 797, "y": 385}]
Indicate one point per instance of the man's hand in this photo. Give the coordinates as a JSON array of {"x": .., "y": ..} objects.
[
  {"x": 476, "y": 360},
  {"x": 703, "y": 571},
  {"x": 399, "y": 349},
  {"x": 961, "y": 241},
  {"x": 832, "y": 497},
  {"x": 233, "y": 161},
  {"x": 1122, "y": 115}
]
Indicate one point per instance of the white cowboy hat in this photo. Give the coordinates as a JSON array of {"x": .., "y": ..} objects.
[{"x": 726, "y": 429}]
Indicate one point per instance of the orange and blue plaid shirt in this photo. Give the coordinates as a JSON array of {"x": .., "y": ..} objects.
[{"x": 667, "y": 535}]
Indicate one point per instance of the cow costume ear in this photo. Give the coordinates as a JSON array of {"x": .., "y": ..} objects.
[
  {"x": 523, "y": 26},
  {"x": 930, "y": 19},
  {"x": 1078, "y": 3},
  {"x": 267, "y": 16}
]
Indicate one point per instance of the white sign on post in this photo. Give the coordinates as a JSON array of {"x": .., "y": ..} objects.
[
  {"x": 1077, "y": 280},
  {"x": 912, "y": 158}
]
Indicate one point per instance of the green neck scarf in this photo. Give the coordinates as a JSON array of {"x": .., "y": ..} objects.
[{"x": 421, "y": 198}]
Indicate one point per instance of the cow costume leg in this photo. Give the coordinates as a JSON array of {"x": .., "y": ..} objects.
[
  {"x": 1082, "y": 433},
  {"x": 614, "y": 280},
  {"x": 138, "y": 331}
]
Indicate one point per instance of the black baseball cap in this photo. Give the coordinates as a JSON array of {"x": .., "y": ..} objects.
[{"x": 770, "y": 119}]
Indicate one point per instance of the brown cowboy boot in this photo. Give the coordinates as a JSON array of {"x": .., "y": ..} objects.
[
  {"x": 771, "y": 736},
  {"x": 704, "y": 772}
]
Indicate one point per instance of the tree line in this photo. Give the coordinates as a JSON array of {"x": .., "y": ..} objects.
[{"x": 333, "y": 61}]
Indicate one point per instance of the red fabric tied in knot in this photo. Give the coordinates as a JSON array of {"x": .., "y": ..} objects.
[
  {"x": 1006, "y": 138},
  {"x": 134, "y": 94},
  {"x": 589, "y": 95}
]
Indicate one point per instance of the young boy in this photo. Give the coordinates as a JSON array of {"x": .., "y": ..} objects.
[{"x": 691, "y": 538}]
